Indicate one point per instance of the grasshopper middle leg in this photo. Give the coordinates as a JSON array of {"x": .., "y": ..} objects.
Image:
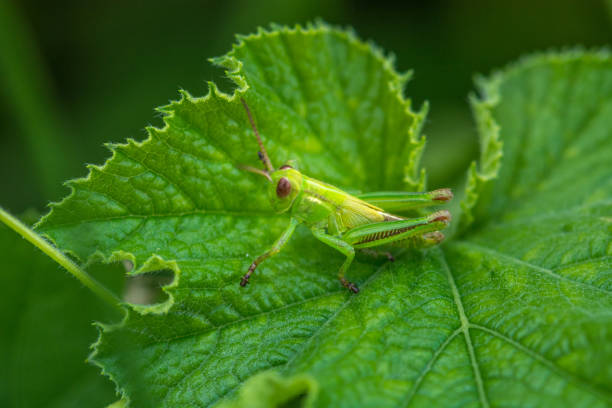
[
  {"x": 382, "y": 233},
  {"x": 343, "y": 247}
]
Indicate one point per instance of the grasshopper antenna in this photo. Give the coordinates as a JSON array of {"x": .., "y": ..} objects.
[
  {"x": 256, "y": 171},
  {"x": 263, "y": 155}
]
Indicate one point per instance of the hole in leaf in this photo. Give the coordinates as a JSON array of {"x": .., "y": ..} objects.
[
  {"x": 298, "y": 401},
  {"x": 147, "y": 288}
]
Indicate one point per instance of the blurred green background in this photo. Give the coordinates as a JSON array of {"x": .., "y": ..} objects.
[{"x": 75, "y": 74}]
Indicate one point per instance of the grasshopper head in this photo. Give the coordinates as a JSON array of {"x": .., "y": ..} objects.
[{"x": 285, "y": 187}]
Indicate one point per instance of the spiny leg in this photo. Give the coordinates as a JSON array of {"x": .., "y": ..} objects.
[
  {"x": 345, "y": 249},
  {"x": 424, "y": 230},
  {"x": 278, "y": 245},
  {"x": 423, "y": 241}
]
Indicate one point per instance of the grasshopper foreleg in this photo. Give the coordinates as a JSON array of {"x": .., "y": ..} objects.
[
  {"x": 278, "y": 245},
  {"x": 345, "y": 249}
]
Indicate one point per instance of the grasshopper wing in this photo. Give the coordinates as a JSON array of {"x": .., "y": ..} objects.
[{"x": 400, "y": 201}]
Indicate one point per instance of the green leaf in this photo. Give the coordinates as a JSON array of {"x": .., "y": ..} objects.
[
  {"x": 535, "y": 272},
  {"x": 483, "y": 174},
  {"x": 514, "y": 313},
  {"x": 46, "y": 319},
  {"x": 268, "y": 389}
]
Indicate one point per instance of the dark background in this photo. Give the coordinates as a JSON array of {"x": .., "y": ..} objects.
[{"x": 75, "y": 74}]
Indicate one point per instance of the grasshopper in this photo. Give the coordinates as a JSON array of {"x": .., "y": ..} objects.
[{"x": 343, "y": 221}]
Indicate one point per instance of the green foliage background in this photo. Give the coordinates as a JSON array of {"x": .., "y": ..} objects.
[
  {"x": 47, "y": 329},
  {"x": 77, "y": 76},
  {"x": 83, "y": 74}
]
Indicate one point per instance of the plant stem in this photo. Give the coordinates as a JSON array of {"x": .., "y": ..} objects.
[{"x": 59, "y": 257}]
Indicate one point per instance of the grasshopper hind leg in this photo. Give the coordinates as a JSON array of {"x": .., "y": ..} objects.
[
  {"x": 426, "y": 240},
  {"x": 419, "y": 232}
]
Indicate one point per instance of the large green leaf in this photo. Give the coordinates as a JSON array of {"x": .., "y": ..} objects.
[
  {"x": 516, "y": 312},
  {"x": 46, "y": 319}
]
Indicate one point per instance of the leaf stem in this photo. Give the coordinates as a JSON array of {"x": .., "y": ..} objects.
[{"x": 58, "y": 256}]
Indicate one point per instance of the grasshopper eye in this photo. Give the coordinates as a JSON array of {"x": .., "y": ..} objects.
[{"x": 283, "y": 188}]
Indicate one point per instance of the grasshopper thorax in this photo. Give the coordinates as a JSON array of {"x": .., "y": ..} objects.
[{"x": 284, "y": 189}]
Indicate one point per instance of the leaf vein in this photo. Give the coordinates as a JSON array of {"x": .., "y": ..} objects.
[
  {"x": 165, "y": 177},
  {"x": 338, "y": 157},
  {"x": 246, "y": 318},
  {"x": 540, "y": 358},
  {"x": 545, "y": 271},
  {"x": 248, "y": 214},
  {"x": 429, "y": 365},
  {"x": 210, "y": 176},
  {"x": 197, "y": 368},
  {"x": 335, "y": 314},
  {"x": 465, "y": 328}
]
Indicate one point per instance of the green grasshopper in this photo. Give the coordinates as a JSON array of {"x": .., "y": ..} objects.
[{"x": 343, "y": 221}]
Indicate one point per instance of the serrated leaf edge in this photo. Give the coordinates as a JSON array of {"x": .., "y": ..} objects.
[
  {"x": 415, "y": 177},
  {"x": 483, "y": 172}
]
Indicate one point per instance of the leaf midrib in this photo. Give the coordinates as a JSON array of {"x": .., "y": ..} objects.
[
  {"x": 252, "y": 214},
  {"x": 465, "y": 325}
]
